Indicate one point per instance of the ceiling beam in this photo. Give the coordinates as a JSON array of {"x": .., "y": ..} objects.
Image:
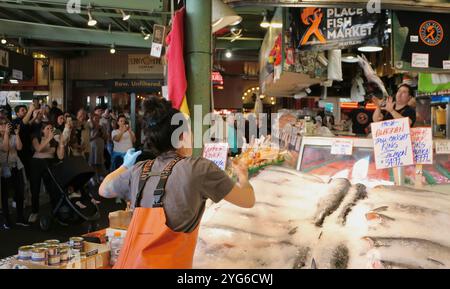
[
  {"x": 29, "y": 30},
  {"x": 83, "y": 12},
  {"x": 238, "y": 45},
  {"x": 129, "y": 5}
]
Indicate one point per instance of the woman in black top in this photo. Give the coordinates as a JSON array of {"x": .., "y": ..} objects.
[{"x": 397, "y": 109}]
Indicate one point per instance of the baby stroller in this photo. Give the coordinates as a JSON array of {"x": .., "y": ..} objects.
[{"x": 71, "y": 175}]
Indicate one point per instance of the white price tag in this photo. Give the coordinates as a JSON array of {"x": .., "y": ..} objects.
[
  {"x": 420, "y": 60},
  {"x": 342, "y": 147},
  {"x": 442, "y": 147}
]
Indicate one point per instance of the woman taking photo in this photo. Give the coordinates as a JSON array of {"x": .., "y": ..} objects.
[
  {"x": 168, "y": 194},
  {"x": 123, "y": 140},
  {"x": 47, "y": 151},
  {"x": 12, "y": 174}
]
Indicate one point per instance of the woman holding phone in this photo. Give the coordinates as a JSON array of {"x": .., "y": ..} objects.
[{"x": 123, "y": 140}]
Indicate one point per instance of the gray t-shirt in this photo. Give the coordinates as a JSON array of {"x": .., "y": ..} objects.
[{"x": 192, "y": 182}]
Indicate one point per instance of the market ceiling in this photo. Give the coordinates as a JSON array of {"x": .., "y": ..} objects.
[
  {"x": 38, "y": 21},
  {"x": 440, "y": 6}
]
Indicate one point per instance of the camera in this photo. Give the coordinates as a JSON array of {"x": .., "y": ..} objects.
[{"x": 13, "y": 127}]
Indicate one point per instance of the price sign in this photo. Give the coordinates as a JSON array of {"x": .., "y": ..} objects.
[
  {"x": 342, "y": 147},
  {"x": 217, "y": 153}
]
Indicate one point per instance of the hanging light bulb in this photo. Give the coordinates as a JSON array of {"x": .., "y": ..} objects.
[
  {"x": 92, "y": 21},
  {"x": 265, "y": 24},
  {"x": 4, "y": 40},
  {"x": 228, "y": 54},
  {"x": 125, "y": 17},
  {"x": 146, "y": 35},
  {"x": 113, "y": 49}
]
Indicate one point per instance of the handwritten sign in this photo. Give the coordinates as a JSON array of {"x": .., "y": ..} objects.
[
  {"x": 442, "y": 147},
  {"x": 342, "y": 147},
  {"x": 422, "y": 144},
  {"x": 392, "y": 143},
  {"x": 217, "y": 153}
]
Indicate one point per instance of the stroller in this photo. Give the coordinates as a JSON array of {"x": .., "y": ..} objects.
[{"x": 74, "y": 174}]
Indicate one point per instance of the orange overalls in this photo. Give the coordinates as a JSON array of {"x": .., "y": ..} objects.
[{"x": 149, "y": 243}]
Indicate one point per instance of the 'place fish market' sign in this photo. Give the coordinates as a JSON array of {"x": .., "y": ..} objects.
[{"x": 334, "y": 28}]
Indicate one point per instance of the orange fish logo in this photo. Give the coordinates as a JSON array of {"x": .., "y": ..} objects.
[
  {"x": 431, "y": 33},
  {"x": 313, "y": 17}
]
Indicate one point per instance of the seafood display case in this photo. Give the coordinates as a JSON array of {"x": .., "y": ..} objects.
[{"x": 315, "y": 158}]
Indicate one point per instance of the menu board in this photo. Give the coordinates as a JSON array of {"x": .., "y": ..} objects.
[
  {"x": 422, "y": 144},
  {"x": 392, "y": 143},
  {"x": 217, "y": 153}
]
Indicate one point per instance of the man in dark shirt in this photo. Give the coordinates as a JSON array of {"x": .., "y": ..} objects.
[
  {"x": 397, "y": 109},
  {"x": 23, "y": 120},
  {"x": 361, "y": 119}
]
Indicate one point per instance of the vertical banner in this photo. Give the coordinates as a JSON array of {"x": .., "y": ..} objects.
[
  {"x": 422, "y": 144},
  {"x": 392, "y": 143}
]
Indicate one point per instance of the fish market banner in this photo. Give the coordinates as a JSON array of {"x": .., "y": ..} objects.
[
  {"x": 392, "y": 143},
  {"x": 421, "y": 41},
  {"x": 335, "y": 28},
  {"x": 217, "y": 153},
  {"x": 422, "y": 144}
]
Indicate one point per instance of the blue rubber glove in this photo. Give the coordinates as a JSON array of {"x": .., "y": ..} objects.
[{"x": 130, "y": 158}]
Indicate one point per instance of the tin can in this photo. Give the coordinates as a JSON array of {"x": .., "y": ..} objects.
[
  {"x": 83, "y": 259},
  {"x": 64, "y": 256},
  {"x": 39, "y": 245},
  {"x": 52, "y": 242},
  {"x": 54, "y": 260},
  {"x": 25, "y": 253},
  {"x": 39, "y": 256},
  {"x": 53, "y": 250},
  {"x": 77, "y": 244}
]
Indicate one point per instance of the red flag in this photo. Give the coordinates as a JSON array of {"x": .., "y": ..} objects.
[{"x": 177, "y": 83}]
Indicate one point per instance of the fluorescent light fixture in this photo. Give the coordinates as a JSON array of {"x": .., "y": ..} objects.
[
  {"x": 13, "y": 81},
  {"x": 370, "y": 48},
  {"x": 349, "y": 58},
  {"x": 125, "y": 17},
  {"x": 223, "y": 16},
  {"x": 228, "y": 54},
  {"x": 265, "y": 23},
  {"x": 113, "y": 49},
  {"x": 92, "y": 21},
  {"x": 20, "y": 101}
]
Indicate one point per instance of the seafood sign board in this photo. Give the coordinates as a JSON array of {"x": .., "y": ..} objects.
[
  {"x": 217, "y": 153},
  {"x": 392, "y": 143},
  {"x": 342, "y": 147},
  {"x": 422, "y": 144}
]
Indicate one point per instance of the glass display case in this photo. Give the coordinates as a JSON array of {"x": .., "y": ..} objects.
[{"x": 315, "y": 157}]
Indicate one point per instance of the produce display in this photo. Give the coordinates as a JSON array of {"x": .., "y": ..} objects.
[{"x": 301, "y": 221}]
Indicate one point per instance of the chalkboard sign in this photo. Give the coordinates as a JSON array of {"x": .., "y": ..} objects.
[{"x": 392, "y": 143}]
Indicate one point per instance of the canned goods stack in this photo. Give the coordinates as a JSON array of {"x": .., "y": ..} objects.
[{"x": 53, "y": 252}]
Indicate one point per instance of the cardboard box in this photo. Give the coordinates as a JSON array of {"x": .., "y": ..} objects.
[
  {"x": 120, "y": 219},
  {"x": 97, "y": 257}
]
